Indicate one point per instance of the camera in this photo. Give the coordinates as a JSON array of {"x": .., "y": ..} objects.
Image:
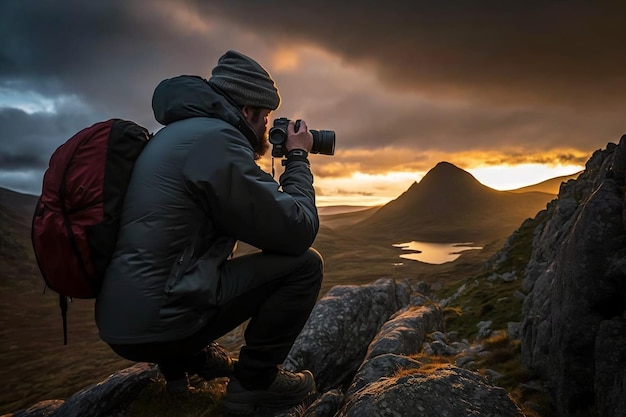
[{"x": 323, "y": 140}]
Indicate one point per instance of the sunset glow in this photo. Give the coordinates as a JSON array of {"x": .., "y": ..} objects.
[
  {"x": 509, "y": 177},
  {"x": 377, "y": 189}
]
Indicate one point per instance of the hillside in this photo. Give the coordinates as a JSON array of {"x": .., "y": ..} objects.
[
  {"x": 450, "y": 205},
  {"x": 15, "y": 218},
  {"x": 35, "y": 364},
  {"x": 550, "y": 186},
  {"x": 20, "y": 203}
]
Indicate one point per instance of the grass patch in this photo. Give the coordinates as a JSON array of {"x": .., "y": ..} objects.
[
  {"x": 481, "y": 301},
  {"x": 204, "y": 400},
  {"x": 503, "y": 356}
]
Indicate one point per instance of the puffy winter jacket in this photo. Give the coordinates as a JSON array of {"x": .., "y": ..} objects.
[{"x": 195, "y": 190}]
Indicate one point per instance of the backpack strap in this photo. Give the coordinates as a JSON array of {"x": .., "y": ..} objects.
[{"x": 63, "y": 305}]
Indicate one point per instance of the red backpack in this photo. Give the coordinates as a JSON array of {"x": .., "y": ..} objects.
[{"x": 76, "y": 219}]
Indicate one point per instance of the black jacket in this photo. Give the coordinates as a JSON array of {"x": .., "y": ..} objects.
[{"x": 195, "y": 190}]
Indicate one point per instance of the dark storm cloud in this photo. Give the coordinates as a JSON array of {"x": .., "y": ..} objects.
[
  {"x": 29, "y": 139},
  {"x": 531, "y": 51},
  {"x": 105, "y": 57},
  {"x": 110, "y": 53},
  {"x": 538, "y": 74}
]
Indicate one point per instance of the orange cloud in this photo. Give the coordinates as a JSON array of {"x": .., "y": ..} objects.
[
  {"x": 285, "y": 60},
  {"x": 387, "y": 160}
]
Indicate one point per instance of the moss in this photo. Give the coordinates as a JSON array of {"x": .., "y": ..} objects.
[
  {"x": 481, "y": 301},
  {"x": 204, "y": 400},
  {"x": 503, "y": 356}
]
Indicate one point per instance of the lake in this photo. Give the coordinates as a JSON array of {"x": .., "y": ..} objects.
[{"x": 434, "y": 253}]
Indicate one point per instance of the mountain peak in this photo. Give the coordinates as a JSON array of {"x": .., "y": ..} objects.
[
  {"x": 445, "y": 175},
  {"x": 450, "y": 205}
]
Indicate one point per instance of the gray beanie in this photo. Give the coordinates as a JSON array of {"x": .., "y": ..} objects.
[{"x": 245, "y": 81}]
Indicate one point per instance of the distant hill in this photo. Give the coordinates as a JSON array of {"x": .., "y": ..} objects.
[
  {"x": 16, "y": 211},
  {"x": 330, "y": 210},
  {"x": 343, "y": 218},
  {"x": 550, "y": 186},
  {"x": 21, "y": 204},
  {"x": 450, "y": 205}
]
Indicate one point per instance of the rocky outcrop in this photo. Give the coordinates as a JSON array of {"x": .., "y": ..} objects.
[
  {"x": 109, "y": 398},
  {"x": 447, "y": 391},
  {"x": 383, "y": 378},
  {"x": 359, "y": 341},
  {"x": 340, "y": 328},
  {"x": 574, "y": 323}
]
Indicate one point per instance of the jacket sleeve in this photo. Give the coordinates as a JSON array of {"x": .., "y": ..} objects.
[{"x": 247, "y": 203}]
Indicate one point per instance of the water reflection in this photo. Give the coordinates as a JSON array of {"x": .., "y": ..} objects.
[{"x": 434, "y": 253}]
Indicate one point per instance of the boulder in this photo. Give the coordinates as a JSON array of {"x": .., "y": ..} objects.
[
  {"x": 448, "y": 391},
  {"x": 335, "y": 339}
]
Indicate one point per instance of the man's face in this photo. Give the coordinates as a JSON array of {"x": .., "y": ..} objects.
[{"x": 258, "y": 120}]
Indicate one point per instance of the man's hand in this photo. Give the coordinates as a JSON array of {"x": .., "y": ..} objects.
[{"x": 302, "y": 139}]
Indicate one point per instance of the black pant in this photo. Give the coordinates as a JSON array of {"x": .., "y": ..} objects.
[{"x": 277, "y": 292}]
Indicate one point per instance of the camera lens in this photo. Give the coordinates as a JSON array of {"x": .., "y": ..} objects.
[
  {"x": 277, "y": 136},
  {"x": 323, "y": 142}
]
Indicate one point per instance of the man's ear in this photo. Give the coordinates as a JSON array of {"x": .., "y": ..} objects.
[{"x": 247, "y": 112}]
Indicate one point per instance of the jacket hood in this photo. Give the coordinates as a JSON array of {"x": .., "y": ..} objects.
[{"x": 188, "y": 96}]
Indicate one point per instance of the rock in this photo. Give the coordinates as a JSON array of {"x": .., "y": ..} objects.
[
  {"x": 513, "y": 330},
  {"x": 439, "y": 348},
  {"x": 383, "y": 366},
  {"x": 493, "y": 375},
  {"x": 439, "y": 336},
  {"x": 463, "y": 361},
  {"x": 406, "y": 331},
  {"x": 448, "y": 391},
  {"x": 508, "y": 277},
  {"x": 459, "y": 346},
  {"x": 423, "y": 288},
  {"x": 576, "y": 292},
  {"x": 325, "y": 406},
  {"x": 107, "y": 397},
  {"x": 452, "y": 336},
  {"x": 335, "y": 339},
  {"x": 483, "y": 329},
  {"x": 610, "y": 375},
  {"x": 41, "y": 409}
]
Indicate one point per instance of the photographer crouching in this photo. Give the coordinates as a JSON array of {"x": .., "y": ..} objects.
[{"x": 172, "y": 288}]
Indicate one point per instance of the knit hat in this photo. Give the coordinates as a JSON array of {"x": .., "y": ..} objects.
[{"x": 245, "y": 81}]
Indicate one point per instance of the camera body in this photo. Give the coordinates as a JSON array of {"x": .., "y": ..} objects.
[{"x": 323, "y": 140}]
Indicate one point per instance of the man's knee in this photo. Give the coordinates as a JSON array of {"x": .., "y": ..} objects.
[
  {"x": 314, "y": 260},
  {"x": 311, "y": 269}
]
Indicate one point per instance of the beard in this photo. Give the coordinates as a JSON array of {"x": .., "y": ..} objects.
[{"x": 263, "y": 146}]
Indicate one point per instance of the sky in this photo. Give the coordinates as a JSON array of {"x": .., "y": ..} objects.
[{"x": 514, "y": 92}]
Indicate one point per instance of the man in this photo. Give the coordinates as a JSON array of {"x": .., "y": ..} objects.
[{"x": 172, "y": 287}]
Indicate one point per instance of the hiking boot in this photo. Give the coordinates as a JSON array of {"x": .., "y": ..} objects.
[
  {"x": 288, "y": 389},
  {"x": 217, "y": 363}
]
